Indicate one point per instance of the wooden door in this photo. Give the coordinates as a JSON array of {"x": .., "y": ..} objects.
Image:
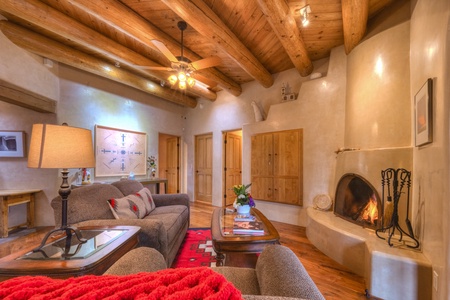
[
  {"x": 232, "y": 165},
  {"x": 262, "y": 166},
  {"x": 287, "y": 159},
  {"x": 203, "y": 167},
  {"x": 172, "y": 165}
]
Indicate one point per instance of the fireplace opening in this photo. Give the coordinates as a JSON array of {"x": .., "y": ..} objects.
[{"x": 357, "y": 201}]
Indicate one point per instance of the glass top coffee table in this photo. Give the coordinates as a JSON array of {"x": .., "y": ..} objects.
[
  {"x": 225, "y": 241},
  {"x": 104, "y": 246}
]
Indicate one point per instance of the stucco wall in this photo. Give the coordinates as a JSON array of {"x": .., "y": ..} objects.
[
  {"x": 430, "y": 58},
  {"x": 319, "y": 109},
  {"x": 378, "y": 102},
  {"x": 86, "y": 100},
  {"x": 27, "y": 70}
]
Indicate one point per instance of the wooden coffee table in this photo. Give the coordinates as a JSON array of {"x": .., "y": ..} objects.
[
  {"x": 104, "y": 246},
  {"x": 224, "y": 241}
]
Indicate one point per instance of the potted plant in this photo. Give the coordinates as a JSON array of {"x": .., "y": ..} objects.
[{"x": 244, "y": 200}]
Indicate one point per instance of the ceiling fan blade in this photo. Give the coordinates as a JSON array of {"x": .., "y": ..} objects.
[
  {"x": 206, "y": 63},
  {"x": 205, "y": 80},
  {"x": 164, "y": 50},
  {"x": 155, "y": 68}
]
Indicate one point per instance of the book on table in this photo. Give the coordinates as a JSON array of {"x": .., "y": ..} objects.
[
  {"x": 247, "y": 218},
  {"x": 248, "y": 227}
]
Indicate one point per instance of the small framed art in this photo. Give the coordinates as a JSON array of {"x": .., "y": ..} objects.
[
  {"x": 12, "y": 143},
  {"x": 423, "y": 104}
]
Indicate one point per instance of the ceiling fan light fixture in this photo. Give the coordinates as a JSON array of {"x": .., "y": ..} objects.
[
  {"x": 190, "y": 81},
  {"x": 172, "y": 79},
  {"x": 182, "y": 85},
  {"x": 182, "y": 76}
]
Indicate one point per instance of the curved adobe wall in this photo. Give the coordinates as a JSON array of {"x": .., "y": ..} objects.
[{"x": 378, "y": 110}]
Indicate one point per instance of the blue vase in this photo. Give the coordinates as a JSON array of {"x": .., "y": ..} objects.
[{"x": 243, "y": 209}]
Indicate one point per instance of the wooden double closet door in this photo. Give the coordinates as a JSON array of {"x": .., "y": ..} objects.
[
  {"x": 277, "y": 166},
  {"x": 232, "y": 165}
]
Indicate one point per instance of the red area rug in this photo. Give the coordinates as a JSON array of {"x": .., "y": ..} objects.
[{"x": 196, "y": 250}]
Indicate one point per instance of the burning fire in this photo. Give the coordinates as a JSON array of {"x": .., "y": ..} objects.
[{"x": 370, "y": 212}]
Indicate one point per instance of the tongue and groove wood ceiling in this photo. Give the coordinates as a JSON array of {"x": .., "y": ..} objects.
[{"x": 253, "y": 38}]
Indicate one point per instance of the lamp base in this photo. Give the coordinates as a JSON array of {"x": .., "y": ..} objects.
[
  {"x": 64, "y": 192},
  {"x": 70, "y": 231}
]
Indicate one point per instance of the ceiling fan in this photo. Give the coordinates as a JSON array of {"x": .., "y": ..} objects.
[{"x": 182, "y": 65}]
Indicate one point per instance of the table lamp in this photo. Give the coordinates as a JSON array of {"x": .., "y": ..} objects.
[{"x": 61, "y": 147}]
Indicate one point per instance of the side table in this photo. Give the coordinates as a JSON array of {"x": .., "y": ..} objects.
[
  {"x": 157, "y": 182},
  {"x": 15, "y": 197}
]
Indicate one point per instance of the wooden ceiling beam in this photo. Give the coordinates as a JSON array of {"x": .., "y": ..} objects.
[
  {"x": 22, "y": 97},
  {"x": 125, "y": 20},
  {"x": 46, "y": 47},
  {"x": 203, "y": 19},
  {"x": 355, "y": 14},
  {"x": 43, "y": 16},
  {"x": 279, "y": 15}
]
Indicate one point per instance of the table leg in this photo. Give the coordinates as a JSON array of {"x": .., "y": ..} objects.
[
  {"x": 30, "y": 212},
  {"x": 4, "y": 214},
  {"x": 220, "y": 257}
]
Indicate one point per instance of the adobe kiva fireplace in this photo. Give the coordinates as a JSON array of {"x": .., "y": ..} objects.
[
  {"x": 347, "y": 235},
  {"x": 358, "y": 201}
]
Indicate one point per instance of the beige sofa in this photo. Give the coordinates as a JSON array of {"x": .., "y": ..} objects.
[
  {"x": 163, "y": 229},
  {"x": 278, "y": 274}
]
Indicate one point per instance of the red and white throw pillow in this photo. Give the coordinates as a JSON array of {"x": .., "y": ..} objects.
[
  {"x": 129, "y": 207},
  {"x": 147, "y": 198}
]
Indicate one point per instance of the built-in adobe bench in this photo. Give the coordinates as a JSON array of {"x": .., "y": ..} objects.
[{"x": 390, "y": 272}]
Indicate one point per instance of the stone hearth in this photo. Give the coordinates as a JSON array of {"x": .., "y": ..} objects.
[
  {"x": 396, "y": 272},
  {"x": 391, "y": 272}
]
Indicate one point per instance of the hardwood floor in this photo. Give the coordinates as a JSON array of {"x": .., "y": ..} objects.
[{"x": 333, "y": 280}]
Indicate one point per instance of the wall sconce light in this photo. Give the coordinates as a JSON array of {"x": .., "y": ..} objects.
[{"x": 304, "y": 12}]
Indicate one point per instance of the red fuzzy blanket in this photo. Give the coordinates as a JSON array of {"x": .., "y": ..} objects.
[{"x": 177, "y": 284}]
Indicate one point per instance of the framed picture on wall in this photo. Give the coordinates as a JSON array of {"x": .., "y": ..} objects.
[
  {"x": 424, "y": 114},
  {"x": 12, "y": 144},
  {"x": 119, "y": 152}
]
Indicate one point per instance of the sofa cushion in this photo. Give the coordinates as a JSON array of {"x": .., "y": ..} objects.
[
  {"x": 127, "y": 186},
  {"x": 147, "y": 198},
  {"x": 128, "y": 207},
  {"x": 173, "y": 218},
  {"x": 87, "y": 203}
]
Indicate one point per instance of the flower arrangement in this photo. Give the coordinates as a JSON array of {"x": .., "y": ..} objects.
[
  {"x": 151, "y": 165},
  {"x": 243, "y": 197}
]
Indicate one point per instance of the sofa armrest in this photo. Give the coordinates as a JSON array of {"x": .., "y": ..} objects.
[
  {"x": 142, "y": 259},
  {"x": 152, "y": 233},
  {"x": 280, "y": 273},
  {"x": 171, "y": 199}
]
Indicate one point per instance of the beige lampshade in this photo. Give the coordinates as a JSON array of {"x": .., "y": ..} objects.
[{"x": 60, "y": 147}]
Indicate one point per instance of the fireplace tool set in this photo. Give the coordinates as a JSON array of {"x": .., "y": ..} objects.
[{"x": 393, "y": 181}]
